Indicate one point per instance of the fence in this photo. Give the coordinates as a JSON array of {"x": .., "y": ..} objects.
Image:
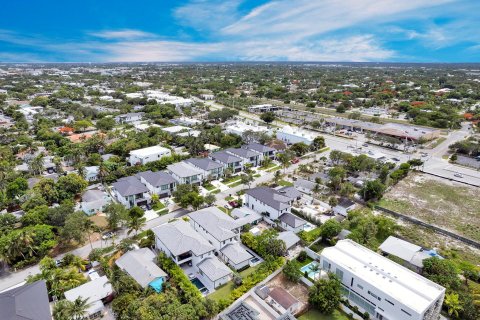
[{"x": 429, "y": 226}]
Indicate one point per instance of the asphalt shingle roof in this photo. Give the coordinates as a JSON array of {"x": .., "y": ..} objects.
[
  {"x": 258, "y": 147},
  {"x": 213, "y": 268},
  {"x": 128, "y": 186},
  {"x": 236, "y": 253},
  {"x": 28, "y": 302},
  {"x": 183, "y": 169},
  {"x": 241, "y": 152},
  {"x": 156, "y": 179},
  {"x": 139, "y": 264},
  {"x": 270, "y": 197},
  {"x": 216, "y": 222},
  {"x": 225, "y": 157},
  {"x": 292, "y": 220},
  {"x": 204, "y": 163}
]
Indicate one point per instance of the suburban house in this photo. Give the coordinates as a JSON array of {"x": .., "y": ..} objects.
[
  {"x": 130, "y": 192},
  {"x": 291, "y": 222},
  {"x": 158, "y": 182},
  {"x": 305, "y": 186},
  {"x": 379, "y": 286},
  {"x": 267, "y": 201},
  {"x": 150, "y": 154},
  {"x": 185, "y": 173},
  {"x": 223, "y": 233},
  {"x": 211, "y": 169},
  {"x": 29, "y": 302},
  {"x": 266, "y": 151},
  {"x": 94, "y": 201},
  {"x": 412, "y": 256},
  {"x": 245, "y": 215},
  {"x": 91, "y": 173},
  {"x": 98, "y": 291},
  {"x": 140, "y": 265},
  {"x": 282, "y": 301},
  {"x": 228, "y": 160},
  {"x": 249, "y": 157},
  {"x": 343, "y": 206},
  {"x": 290, "y": 239},
  {"x": 179, "y": 241},
  {"x": 129, "y": 117}
]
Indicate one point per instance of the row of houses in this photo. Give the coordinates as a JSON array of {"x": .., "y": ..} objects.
[{"x": 137, "y": 190}]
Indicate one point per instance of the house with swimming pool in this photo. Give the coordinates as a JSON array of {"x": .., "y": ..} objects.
[
  {"x": 140, "y": 265},
  {"x": 193, "y": 253}
]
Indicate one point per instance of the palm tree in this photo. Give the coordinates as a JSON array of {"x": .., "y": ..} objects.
[
  {"x": 25, "y": 241},
  {"x": 103, "y": 172},
  {"x": 36, "y": 165},
  {"x": 453, "y": 304},
  {"x": 71, "y": 310},
  {"x": 135, "y": 224}
]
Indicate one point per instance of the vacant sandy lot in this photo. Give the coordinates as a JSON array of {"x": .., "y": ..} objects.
[{"x": 447, "y": 204}]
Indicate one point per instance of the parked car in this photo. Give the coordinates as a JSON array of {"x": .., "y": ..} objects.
[
  {"x": 108, "y": 235},
  {"x": 365, "y": 144},
  {"x": 233, "y": 203},
  {"x": 395, "y": 159},
  {"x": 458, "y": 175},
  {"x": 295, "y": 160}
]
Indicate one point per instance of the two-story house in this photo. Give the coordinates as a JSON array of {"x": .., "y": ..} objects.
[
  {"x": 129, "y": 117},
  {"x": 179, "y": 241},
  {"x": 185, "y": 173},
  {"x": 146, "y": 155},
  {"x": 130, "y": 192},
  {"x": 250, "y": 157},
  {"x": 159, "y": 182},
  {"x": 223, "y": 233},
  {"x": 228, "y": 160},
  {"x": 211, "y": 169},
  {"x": 266, "y": 151}
]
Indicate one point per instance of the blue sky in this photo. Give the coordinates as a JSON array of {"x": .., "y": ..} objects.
[{"x": 240, "y": 30}]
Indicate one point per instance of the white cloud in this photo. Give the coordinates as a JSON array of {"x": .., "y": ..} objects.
[
  {"x": 207, "y": 14},
  {"x": 126, "y": 34}
]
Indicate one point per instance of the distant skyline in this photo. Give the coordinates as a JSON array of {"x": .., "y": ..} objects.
[{"x": 236, "y": 30}]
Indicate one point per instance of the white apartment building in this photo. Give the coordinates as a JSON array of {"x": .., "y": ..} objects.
[
  {"x": 383, "y": 288},
  {"x": 291, "y": 135},
  {"x": 150, "y": 154}
]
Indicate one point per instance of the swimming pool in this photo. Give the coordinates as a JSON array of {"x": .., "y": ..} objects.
[
  {"x": 198, "y": 283},
  {"x": 309, "y": 268}
]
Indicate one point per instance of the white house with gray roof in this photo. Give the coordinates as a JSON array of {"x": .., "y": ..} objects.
[
  {"x": 211, "y": 169},
  {"x": 149, "y": 154},
  {"x": 267, "y": 201},
  {"x": 265, "y": 151},
  {"x": 228, "y": 160},
  {"x": 130, "y": 192},
  {"x": 248, "y": 156},
  {"x": 179, "y": 241},
  {"x": 223, "y": 233},
  {"x": 185, "y": 173},
  {"x": 159, "y": 182},
  {"x": 94, "y": 201}
]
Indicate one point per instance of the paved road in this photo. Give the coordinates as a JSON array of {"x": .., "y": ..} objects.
[
  {"x": 434, "y": 163},
  {"x": 9, "y": 279}
]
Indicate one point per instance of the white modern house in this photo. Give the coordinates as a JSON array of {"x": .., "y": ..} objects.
[
  {"x": 91, "y": 173},
  {"x": 265, "y": 151},
  {"x": 210, "y": 169},
  {"x": 223, "y": 233},
  {"x": 158, "y": 182},
  {"x": 291, "y": 135},
  {"x": 188, "y": 249},
  {"x": 130, "y": 192},
  {"x": 129, "y": 117},
  {"x": 381, "y": 287},
  {"x": 185, "y": 173},
  {"x": 150, "y": 154},
  {"x": 239, "y": 128}
]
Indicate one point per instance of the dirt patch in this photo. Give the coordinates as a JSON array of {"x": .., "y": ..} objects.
[
  {"x": 298, "y": 290},
  {"x": 447, "y": 204}
]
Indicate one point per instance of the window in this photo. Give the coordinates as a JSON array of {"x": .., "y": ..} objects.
[
  {"x": 361, "y": 287},
  {"x": 339, "y": 274},
  {"x": 326, "y": 265},
  {"x": 372, "y": 294}
]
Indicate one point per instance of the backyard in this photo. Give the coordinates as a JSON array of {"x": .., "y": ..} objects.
[
  {"x": 225, "y": 290},
  {"x": 446, "y": 204},
  {"x": 313, "y": 314}
]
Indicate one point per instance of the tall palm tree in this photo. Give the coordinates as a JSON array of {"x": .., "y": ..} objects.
[
  {"x": 36, "y": 165},
  {"x": 25, "y": 241},
  {"x": 103, "y": 171},
  {"x": 71, "y": 310}
]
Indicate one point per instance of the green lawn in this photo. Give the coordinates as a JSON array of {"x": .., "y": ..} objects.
[
  {"x": 316, "y": 315},
  {"x": 270, "y": 166},
  {"x": 284, "y": 183},
  {"x": 215, "y": 191},
  {"x": 275, "y": 168},
  {"x": 307, "y": 261},
  {"x": 229, "y": 198},
  {"x": 256, "y": 175},
  {"x": 209, "y": 186},
  {"x": 230, "y": 180},
  {"x": 249, "y": 271},
  {"x": 225, "y": 290},
  {"x": 227, "y": 211},
  {"x": 233, "y": 185}
]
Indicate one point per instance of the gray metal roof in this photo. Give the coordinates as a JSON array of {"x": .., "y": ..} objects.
[
  {"x": 92, "y": 195},
  {"x": 183, "y": 169},
  {"x": 225, "y": 157},
  {"x": 156, "y": 179},
  {"x": 292, "y": 220},
  {"x": 94, "y": 290},
  {"x": 28, "y": 302},
  {"x": 140, "y": 265},
  {"x": 289, "y": 237},
  {"x": 236, "y": 253},
  {"x": 216, "y": 222},
  {"x": 179, "y": 237},
  {"x": 204, "y": 163},
  {"x": 258, "y": 147},
  {"x": 213, "y": 268},
  {"x": 290, "y": 192},
  {"x": 244, "y": 153},
  {"x": 129, "y": 186},
  {"x": 244, "y": 215},
  {"x": 270, "y": 197},
  {"x": 400, "y": 248},
  {"x": 302, "y": 183}
]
